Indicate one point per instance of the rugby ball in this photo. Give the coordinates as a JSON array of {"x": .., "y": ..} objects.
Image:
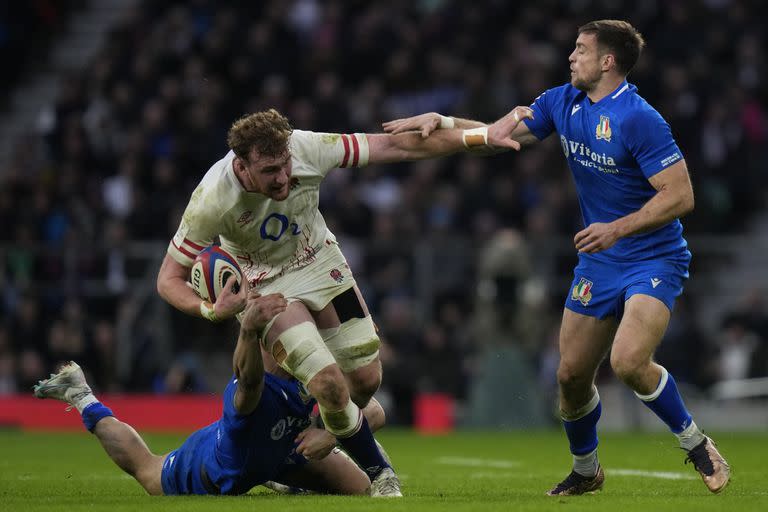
[{"x": 211, "y": 269}]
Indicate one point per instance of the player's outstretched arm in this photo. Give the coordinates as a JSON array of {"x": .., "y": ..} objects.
[
  {"x": 247, "y": 362},
  {"x": 173, "y": 287},
  {"x": 427, "y": 123},
  {"x": 409, "y": 145},
  {"x": 673, "y": 199}
]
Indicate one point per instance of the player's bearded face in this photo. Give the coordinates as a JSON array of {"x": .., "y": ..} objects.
[
  {"x": 584, "y": 61},
  {"x": 268, "y": 175}
]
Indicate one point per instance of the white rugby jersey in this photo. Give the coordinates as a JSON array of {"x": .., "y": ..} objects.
[{"x": 267, "y": 237}]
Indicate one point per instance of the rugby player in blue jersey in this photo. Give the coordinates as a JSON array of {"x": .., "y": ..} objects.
[
  {"x": 633, "y": 186},
  {"x": 255, "y": 441}
]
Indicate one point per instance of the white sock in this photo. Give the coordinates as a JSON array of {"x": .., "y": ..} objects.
[
  {"x": 586, "y": 465},
  {"x": 81, "y": 402},
  {"x": 691, "y": 437}
]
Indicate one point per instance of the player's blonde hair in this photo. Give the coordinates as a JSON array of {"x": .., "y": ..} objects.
[
  {"x": 618, "y": 38},
  {"x": 267, "y": 131}
]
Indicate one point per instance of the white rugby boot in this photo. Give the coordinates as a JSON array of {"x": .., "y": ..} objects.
[
  {"x": 386, "y": 485},
  {"x": 68, "y": 385}
]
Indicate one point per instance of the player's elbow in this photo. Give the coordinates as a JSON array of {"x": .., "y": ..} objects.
[
  {"x": 172, "y": 275},
  {"x": 248, "y": 395},
  {"x": 250, "y": 381},
  {"x": 687, "y": 203},
  {"x": 162, "y": 285}
]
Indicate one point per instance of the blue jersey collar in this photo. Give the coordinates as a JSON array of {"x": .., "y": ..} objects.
[{"x": 623, "y": 88}]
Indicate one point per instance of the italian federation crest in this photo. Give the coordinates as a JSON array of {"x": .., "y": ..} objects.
[
  {"x": 582, "y": 292},
  {"x": 603, "y": 130}
]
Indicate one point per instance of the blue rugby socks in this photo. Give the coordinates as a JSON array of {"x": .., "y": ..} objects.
[
  {"x": 581, "y": 429},
  {"x": 362, "y": 447},
  {"x": 93, "y": 413},
  {"x": 667, "y": 404}
]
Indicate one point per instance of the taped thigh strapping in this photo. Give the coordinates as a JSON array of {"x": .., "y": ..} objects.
[
  {"x": 354, "y": 344},
  {"x": 301, "y": 351}
]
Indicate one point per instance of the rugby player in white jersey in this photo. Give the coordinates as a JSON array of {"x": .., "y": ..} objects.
[{"x": 261, "y": 200}]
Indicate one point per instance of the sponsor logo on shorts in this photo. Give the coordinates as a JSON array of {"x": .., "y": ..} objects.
[
  {"x": 582, "y": 292},
  {"x": 336, "y": 275},
  {"x": 655, "y": 281}
]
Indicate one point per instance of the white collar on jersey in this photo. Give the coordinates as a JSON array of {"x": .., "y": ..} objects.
[{"x": 620, "y": 91}]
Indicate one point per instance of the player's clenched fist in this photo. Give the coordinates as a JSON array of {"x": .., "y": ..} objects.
[
  {"x": 260, "y": 309},
  {"x": 229, "y": 303},
  {"x": 315, "y": 443}
]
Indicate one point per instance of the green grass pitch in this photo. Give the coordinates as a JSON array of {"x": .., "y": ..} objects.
[{"x": 468, "y": 471}]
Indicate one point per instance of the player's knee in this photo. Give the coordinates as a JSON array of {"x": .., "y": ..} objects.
[
  {"x": 627, "y": 364},
  {"x": 355, "y": 346},
  {"x": 364, "y": 382},
  {"x": 300, "y": 350},
  {"x": 329, "y": 388},
  {"x": 569, "y": 377}
]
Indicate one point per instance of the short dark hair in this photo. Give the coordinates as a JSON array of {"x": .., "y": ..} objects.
[
  {"x": 618, "y": 38},
  {"x": 267, "y": 131}
]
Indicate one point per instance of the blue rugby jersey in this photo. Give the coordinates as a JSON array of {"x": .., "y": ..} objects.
[
  {"x": 613, "y": 147},
  {"x": 240, "y": 452}
]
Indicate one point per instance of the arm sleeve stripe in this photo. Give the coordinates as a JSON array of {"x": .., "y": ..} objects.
[
  {"x": 192, "y": 244},
  {"x": 183, "y": 250},
  {"x": 355, "y": 150},
  {"x": 346, "y": 151}
]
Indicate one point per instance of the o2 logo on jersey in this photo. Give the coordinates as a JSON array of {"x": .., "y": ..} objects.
[{"x": 275, "y": 225}]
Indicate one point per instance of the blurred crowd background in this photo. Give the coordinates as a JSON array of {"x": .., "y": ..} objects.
[{"x": 460, "y": 259}]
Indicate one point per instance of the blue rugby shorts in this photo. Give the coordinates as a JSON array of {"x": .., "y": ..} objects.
[{"x": 600, "y": 288}]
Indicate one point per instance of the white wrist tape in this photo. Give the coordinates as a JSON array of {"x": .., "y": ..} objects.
[
  {"x": 446, "y": 122},
  {"x": 208, "y": 311},
  {"x": 475, "y": 137}
]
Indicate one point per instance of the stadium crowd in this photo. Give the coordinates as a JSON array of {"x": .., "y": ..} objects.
[
  {"x": 115, "y": 158},
  {"x": 27, "y": 30}
]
